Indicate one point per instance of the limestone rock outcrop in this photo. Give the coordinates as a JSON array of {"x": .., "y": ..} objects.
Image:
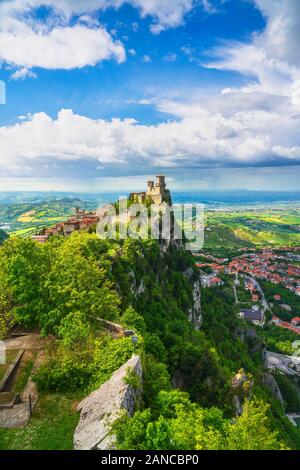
[
  {"x": 270, "y": 382},
  {"x": 101, "y": 408},
  {"x": 195, "y": 315},
  {"x": 241, "y": 386}
]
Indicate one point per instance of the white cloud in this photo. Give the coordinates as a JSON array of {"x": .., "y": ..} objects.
[
  {"x": 147, "y": 58},
  {"x": 62, "y": 47},
  {"x": 199, "y": 137},
  {"x": 255, "y": 125},
  {"x": 282, "y": 36},
  {"x": 58, "y": 42},
  {"x": 272, "y": 57},
  {"x": 167, "y": 14},
  {"x": 23, "y": 73}
]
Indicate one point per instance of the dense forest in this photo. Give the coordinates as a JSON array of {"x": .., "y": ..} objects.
[{"x": 202, "y": 389}]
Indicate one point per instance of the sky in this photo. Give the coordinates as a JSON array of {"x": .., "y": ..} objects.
[{"x": 103, "y": 94}]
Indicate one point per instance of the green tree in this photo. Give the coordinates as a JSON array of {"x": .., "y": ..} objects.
[
  {"x": 24, "y": 266},
  {"x": 131, "y": 319},
  {"x": 252, "y": 430},
  {"x": 74, "y": 329},
  {"x": 78, "y": 281},
  {"x": 179, "y": 424}
]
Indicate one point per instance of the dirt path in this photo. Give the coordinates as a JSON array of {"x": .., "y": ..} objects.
[{"x": 30, "y": 341}]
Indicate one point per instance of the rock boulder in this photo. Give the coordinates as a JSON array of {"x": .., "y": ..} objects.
[{"x": 101, "y": 408}]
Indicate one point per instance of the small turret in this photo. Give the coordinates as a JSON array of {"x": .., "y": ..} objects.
[
  {"x": 150, "y": 185},
  {"x": 160, "y": 183}
]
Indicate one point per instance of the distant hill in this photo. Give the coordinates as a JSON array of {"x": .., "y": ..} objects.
[
  {"x": 3, "y": 236},
  {"x": 67, "y": 200},
  {"x": 26, "y": 218}
]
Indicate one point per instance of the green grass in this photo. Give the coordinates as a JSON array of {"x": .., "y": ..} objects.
[
  {"x": 239, "y": 229},
  {"x": 46, "y": 214},
  {"x": 24, "y": 371},
  {"x": 223, "y": 237},
  {"x": 6, "y": 397},
  {"x": 23, "y": 232},
  {"x": 50, "y": 428}
]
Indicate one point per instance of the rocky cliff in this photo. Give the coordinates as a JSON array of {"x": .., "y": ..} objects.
[
  {"x": 195, "y": 312},
  {"x": 101, "y": 408},
  {"x": 195, "y": 315}
]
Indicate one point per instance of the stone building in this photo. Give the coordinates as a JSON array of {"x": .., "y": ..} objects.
[
  {"x": 71, "y": 225},
  {"x": 156, "y": 192}
]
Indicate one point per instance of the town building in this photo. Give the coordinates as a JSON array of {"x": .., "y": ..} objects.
[
  {"x": 295, "y": 322},
  {"x": 255, "y": 316},
  {"x": 81, "y": 220},
  {"x": 156, "y": 192},
  {"x": 71, "y": 226},
  {"x": 40, "y": 238}
]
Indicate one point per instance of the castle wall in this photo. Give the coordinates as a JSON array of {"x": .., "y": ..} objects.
[{"x": 155, "y": 190}]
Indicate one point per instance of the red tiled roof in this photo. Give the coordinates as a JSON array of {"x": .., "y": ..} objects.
[{"x": 289, "y": 327}]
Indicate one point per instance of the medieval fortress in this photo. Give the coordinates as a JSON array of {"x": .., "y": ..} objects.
[{"x": 156, "y": 192}]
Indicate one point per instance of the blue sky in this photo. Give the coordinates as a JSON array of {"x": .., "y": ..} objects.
[{"x": 102, "y": 94}]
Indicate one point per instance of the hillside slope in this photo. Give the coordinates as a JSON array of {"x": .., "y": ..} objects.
[{"x": 193, "y": 380}]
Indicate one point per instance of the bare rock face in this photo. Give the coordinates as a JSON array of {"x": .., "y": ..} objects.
[
  {"x": 241, "y": 386},
  {"x": 195, "y": 315},
  {"x": 272, "y": 384},
  {"x": 101, "y": 408}
]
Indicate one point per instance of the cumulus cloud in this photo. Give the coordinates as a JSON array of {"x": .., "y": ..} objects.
[
  {"x": 258, "y": 123},
  {"x": 171, "y": 13},
  {"x": 52, "y": 43},
  {"x": 166, "y": 14},
  {"x": 271, "y": 58},
  {"x": 199, "y": 138},
  {"x": 23, "y": 73},
  {"x": 59, "y": 42},
  {"x": 282, "y": 36},
  {"x": 254, "y": 125},
  {"x": 62, "y": 47}
]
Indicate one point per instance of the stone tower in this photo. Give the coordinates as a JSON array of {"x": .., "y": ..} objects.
[{"x": 157, "y": 191}]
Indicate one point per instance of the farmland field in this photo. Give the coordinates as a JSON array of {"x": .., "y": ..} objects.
[
  {"x": 28, "y": 218},
  {"x": 240, "y": 228},
  {"x": 227, "y": 227}
]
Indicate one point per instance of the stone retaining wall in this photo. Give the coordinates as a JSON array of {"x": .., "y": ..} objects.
[{"x": 11, "y": 369}]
